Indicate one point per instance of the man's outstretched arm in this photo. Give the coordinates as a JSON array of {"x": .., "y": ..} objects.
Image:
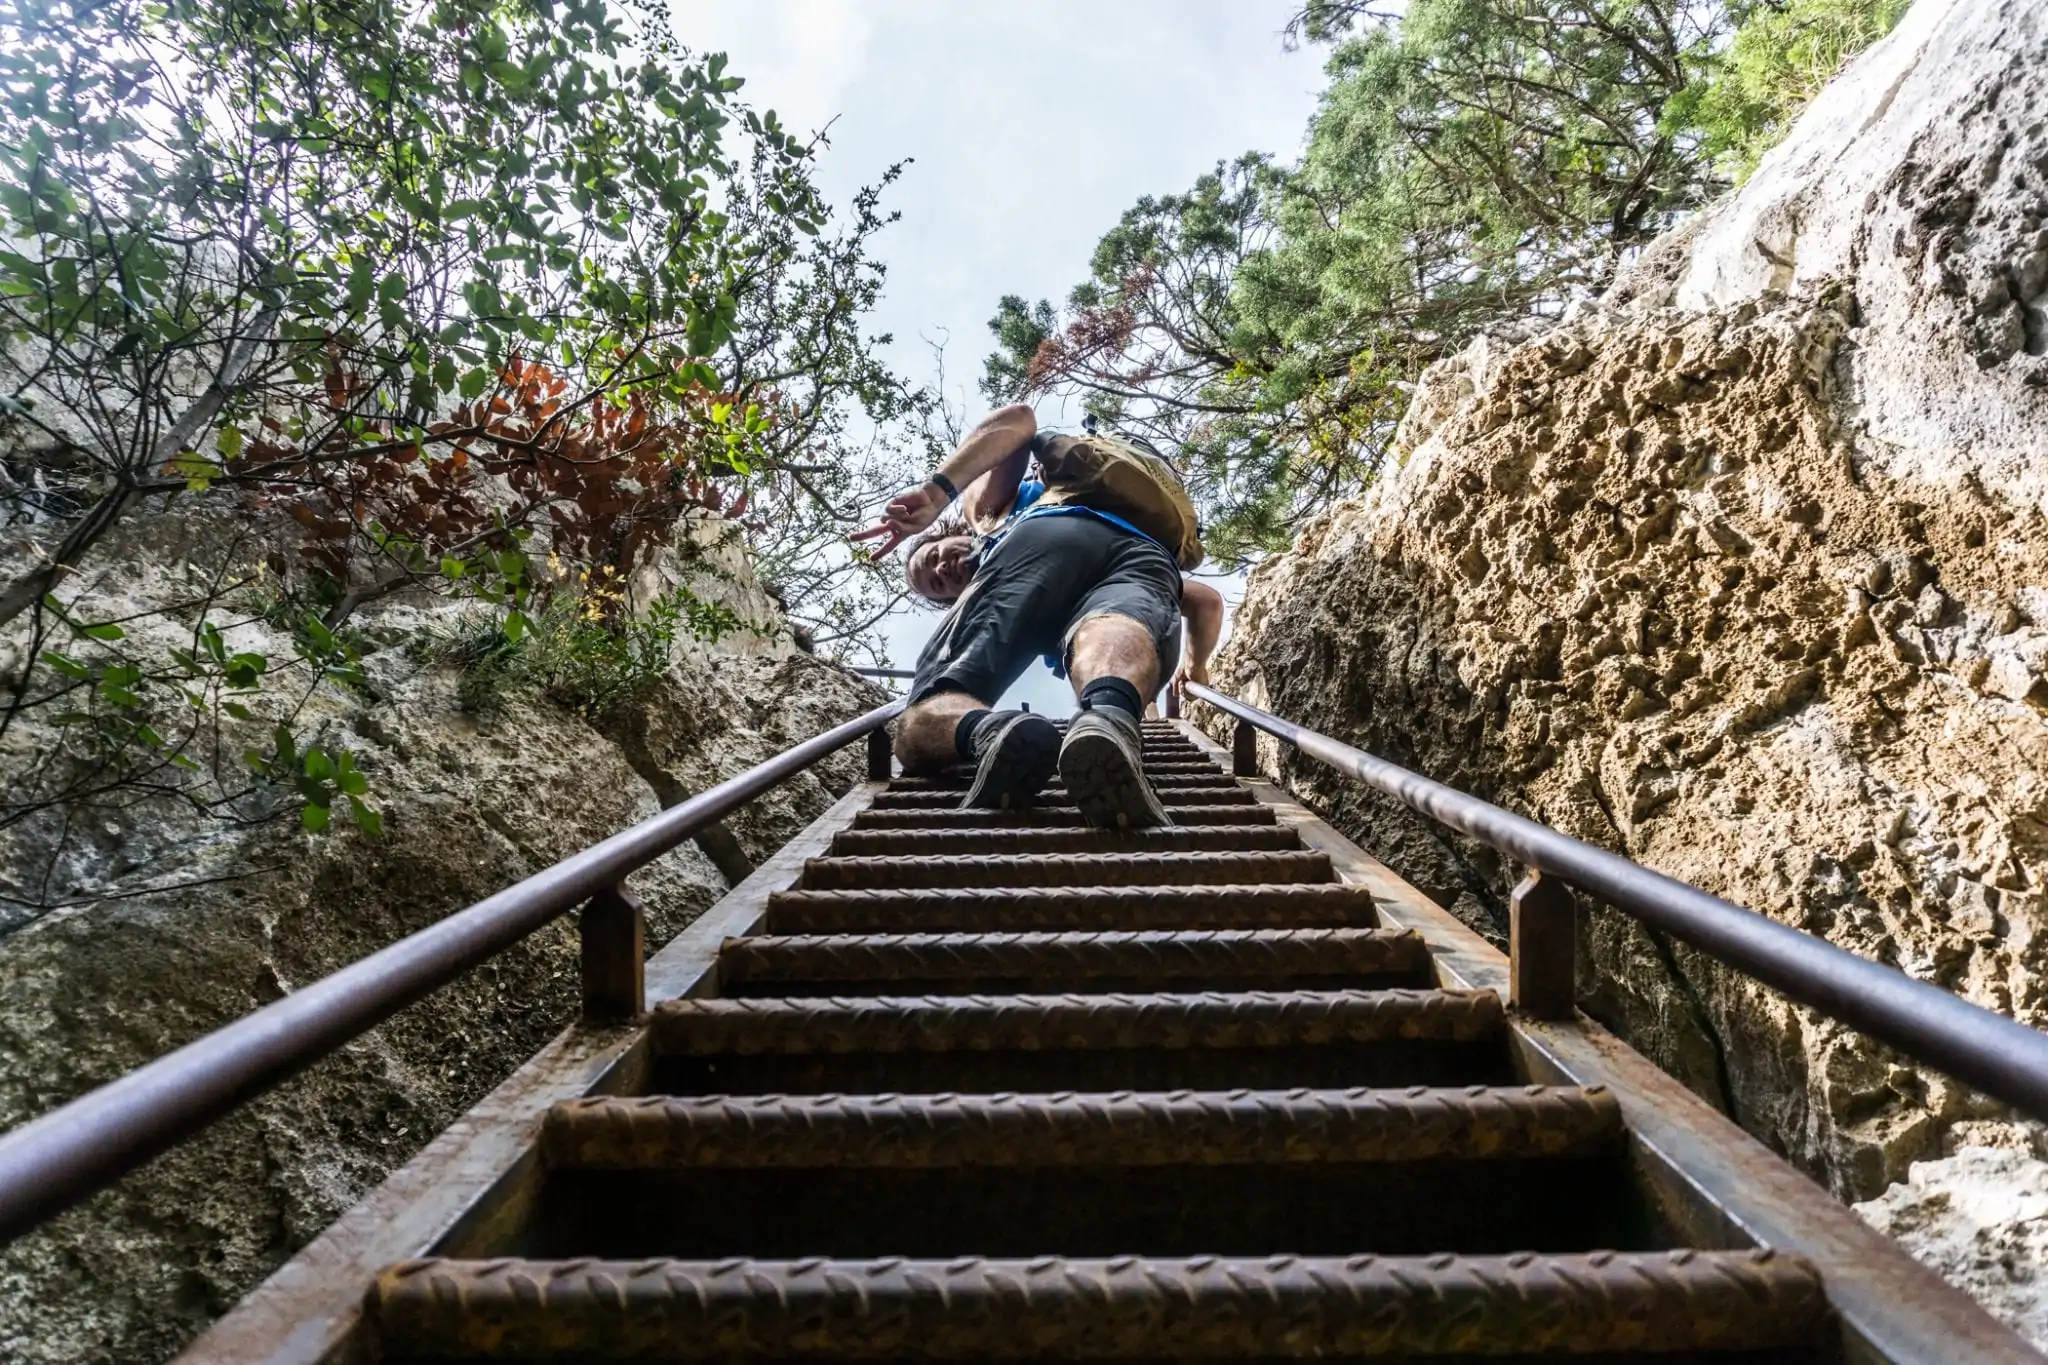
[{"x": 985, "y": 470}]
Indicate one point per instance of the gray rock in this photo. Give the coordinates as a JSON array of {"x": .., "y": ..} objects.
[
  {"x": 1801, "y": 411},
  {"x": 98, "y": 987}
]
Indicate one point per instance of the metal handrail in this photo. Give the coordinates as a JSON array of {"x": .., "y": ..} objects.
[
  {"x": 1999, "y": 1056},
  {"x": 867, "y": 672},
  {"x": 52, "y": 1162}
]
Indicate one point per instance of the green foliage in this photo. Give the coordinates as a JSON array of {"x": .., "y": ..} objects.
[
  {"x": 437, "y": 279},
  {"x": 1020, "y": 329},
  {"x": 1779, "y": 60},
  {"x": 582, "y": 649},
  {"x": 1471, "y": 161}
]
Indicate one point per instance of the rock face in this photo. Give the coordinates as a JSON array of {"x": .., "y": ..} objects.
[
  {"x": 471, "y": 805},
  {"x": 1980, "y": 1217},
  {"x": 1743, "y": 572}
]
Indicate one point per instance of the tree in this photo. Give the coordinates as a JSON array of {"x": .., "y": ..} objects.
[
  {"x": 1471, "y": 161},
  {"x": 1778, "y": 61},
  {"x": 454, "y": 284}
]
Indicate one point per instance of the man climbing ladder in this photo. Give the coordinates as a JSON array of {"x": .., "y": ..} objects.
[{"x": 1083, "y": 566}]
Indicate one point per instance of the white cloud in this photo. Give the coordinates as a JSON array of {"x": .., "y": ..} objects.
[{"x": 807, "y": 54}]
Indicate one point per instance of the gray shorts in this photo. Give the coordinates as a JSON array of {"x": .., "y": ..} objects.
[{"x": 1045, "y": 577}]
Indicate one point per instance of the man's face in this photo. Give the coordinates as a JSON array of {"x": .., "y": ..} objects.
[{"x": 939, "y": 570}]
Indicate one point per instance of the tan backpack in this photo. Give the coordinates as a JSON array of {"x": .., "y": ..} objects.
[{"x": 1125, "y": 477}]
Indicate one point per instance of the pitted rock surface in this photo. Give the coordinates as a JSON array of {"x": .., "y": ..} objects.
[
  {"x": 471, "y": 805},
  {"x": 1742, "y": 573}
]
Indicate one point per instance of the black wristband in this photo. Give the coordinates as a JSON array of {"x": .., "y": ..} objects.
[{"x": 944, "y": 485}]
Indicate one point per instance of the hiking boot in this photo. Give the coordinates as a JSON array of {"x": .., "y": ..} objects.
[
  {"x": 1103, "y": 762},
  {"x": 1015, "y": 754}
]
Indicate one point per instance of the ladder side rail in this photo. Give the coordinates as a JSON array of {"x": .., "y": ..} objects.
[
  {"x": 1999, "y": 1056},
  {"x": 59, "y": 1158}
]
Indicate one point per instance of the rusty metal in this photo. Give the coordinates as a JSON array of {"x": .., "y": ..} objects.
[
  {"x": 613, "y": 935},
  {"x": 1157, "y": 770},
  {"x": 1244, "y": 751},
  {"x": 1066, "y": 869},
  {"x": 1239, "y": 1127},
  {"x": 52, "y": 1162},
  {"x": 1150, "y": 726},
  {"x": 948, "y": 817},
  {"x": 990, "y": 910},
  {"x": 881, "y": 755},
  {"x": 1169, "y": 784},
  {"x": 1155, "y": 960},
  {"x": 983, "y": 1023},
  {"x": 1999, "y": 1056},
  {"x": 910, "y": 843},
  {"x": 895, "y": 798},
  {"x": 1542, "y": 948},
  {"x": 1127, "y": 1308}
]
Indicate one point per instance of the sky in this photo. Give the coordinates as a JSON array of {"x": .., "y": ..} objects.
[{"x": 1031, "y": 125}]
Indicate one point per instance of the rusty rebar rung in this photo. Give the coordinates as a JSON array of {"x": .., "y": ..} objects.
[
  {"x": 1279, "y": 1307},
  {"x": 1334, "y": 904},
  {"x": 1162, "y": 782},
  {"x": 855, "y": 843},
  {"x": 1074, "y": 958},
  {"x": 946, "y": 817},
  {"x": 1125, "y": 1129},
  {"x": 716, "y": 1026},
  {"x": 1175, "y": 799},
  {"x": 1067, "y": 869}
]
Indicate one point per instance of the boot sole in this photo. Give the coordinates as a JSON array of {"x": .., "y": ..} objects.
[
  {"x": 1111, "y": 792},
  {"x": 1013, "y": 773}
]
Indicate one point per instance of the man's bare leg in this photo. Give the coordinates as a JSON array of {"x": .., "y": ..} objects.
[
  {"x": 924, "y": 735},
  {"x": 1014, "y": 753},
  {"x": 1114, "y": 647}
]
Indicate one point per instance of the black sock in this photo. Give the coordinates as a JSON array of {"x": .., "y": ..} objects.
[
  {"x": 1113, "y": 693},
  {"x": 963, "y": 733}
]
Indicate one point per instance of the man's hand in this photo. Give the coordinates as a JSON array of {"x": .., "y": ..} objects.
[
  {"x": 1190, "y": 672},
  {"x": 908, "y": 513}
]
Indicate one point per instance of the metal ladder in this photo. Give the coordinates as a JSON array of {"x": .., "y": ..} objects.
[{"x": 963, "y": 1086}]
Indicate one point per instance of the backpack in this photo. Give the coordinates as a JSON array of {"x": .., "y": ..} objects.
[{"x": 1125, "y": 476}]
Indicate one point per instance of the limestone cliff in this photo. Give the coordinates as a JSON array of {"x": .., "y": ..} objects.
[
  {"x": 1743, "y": 572},
  {"x": 471, "y": 804}
]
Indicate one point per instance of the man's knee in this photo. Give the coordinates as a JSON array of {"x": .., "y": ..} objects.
[
  {"x": 1111, "y": 645},
  {"x": 924, "y": 734}
]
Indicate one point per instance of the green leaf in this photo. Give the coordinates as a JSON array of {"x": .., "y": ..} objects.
[
  {"x": 367, "y": 820},
  {"x": 362, "y": 279},
  {"x": 108, "y": 631},
  {"x": 312, "y": 818}
]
